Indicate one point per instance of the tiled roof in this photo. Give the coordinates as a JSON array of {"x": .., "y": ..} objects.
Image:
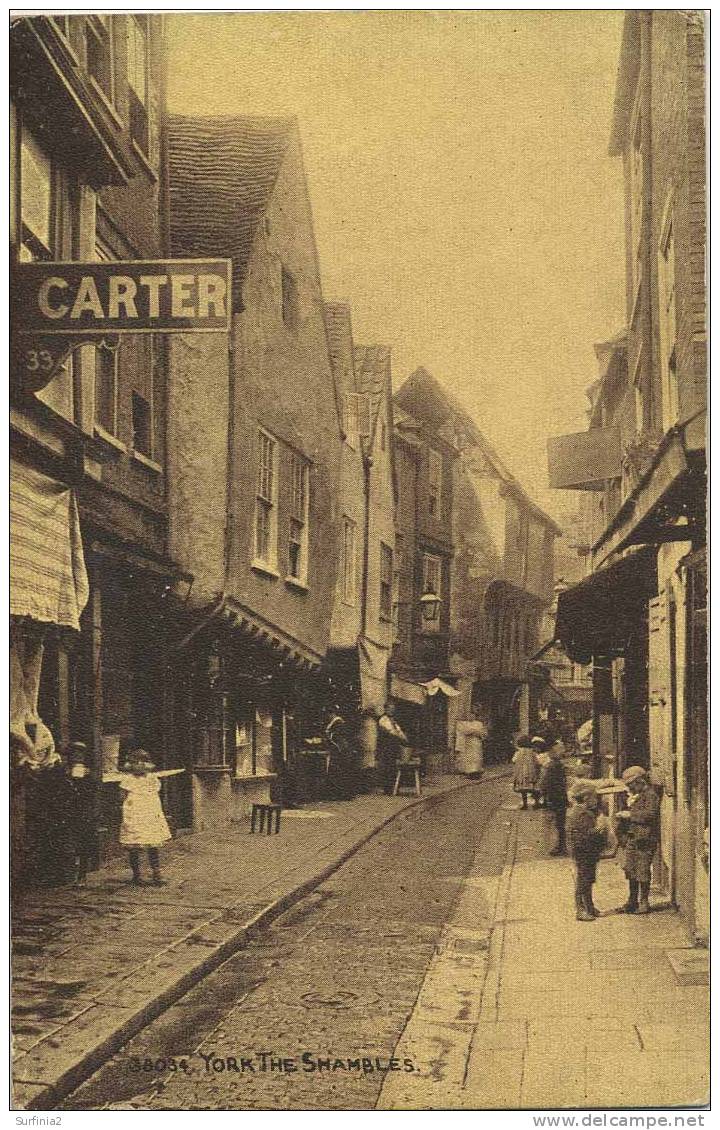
[
  {"x": 340, "y": 344},
  {"x": 222, "y": 172},
  {"x": 372, "y": 375}
]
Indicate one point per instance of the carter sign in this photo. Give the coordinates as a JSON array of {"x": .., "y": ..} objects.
[{"x": 165, "y": 296}]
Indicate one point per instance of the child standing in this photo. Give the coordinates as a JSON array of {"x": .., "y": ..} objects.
[
  {"x": 143, "y": 821},
  {"x": 81, "y": 799},
  {"x": 553, "y": 783},
  {"x": 587, "y": 837},
  {"x": 527, "y": 770},
  {"x": 638, "y": 833}
]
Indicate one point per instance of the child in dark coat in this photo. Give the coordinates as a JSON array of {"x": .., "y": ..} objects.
[
  {"x": 553, "y": 783},
  {"x": 81, "y": 812},
  {"x": 638, "y": 832},
  {"x": 587, "y": 838}
]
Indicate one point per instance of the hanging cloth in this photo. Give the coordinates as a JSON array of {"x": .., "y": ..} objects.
[
  {"x": 31, "y": 742},
  {"x": 48, "y": 579}
]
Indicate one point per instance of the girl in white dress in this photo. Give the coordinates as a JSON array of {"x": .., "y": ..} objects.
[{"x": 143, "y": 821}]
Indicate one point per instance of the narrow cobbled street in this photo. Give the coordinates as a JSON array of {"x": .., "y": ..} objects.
[
  {"x": 336, "y": 977},
  {"x": 436, "y": 965}
]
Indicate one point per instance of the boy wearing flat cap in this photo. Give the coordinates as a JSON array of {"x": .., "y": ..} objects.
[
  {"x": 586, "y": 837},
  {"x": 638, "y": 833}
]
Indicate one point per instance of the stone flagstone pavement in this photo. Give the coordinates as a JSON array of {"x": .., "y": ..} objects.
[{"x": 524, "y": 1007}]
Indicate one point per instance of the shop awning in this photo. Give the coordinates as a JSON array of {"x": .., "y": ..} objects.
[
  {"x": 664, "y": 504},
  {"x": 47, "y": 568},
  {"x": 599, "y": 615},
  {"x": 261, "y": 631}
]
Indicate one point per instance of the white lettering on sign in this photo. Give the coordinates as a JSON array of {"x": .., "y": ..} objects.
[
  {"x": 44, "y": 295},
  {"x": 153, "y": 284},
  {"x": 211, "y": 292},
  {"x": 87, "y": 299},
  {"x": 120, "y": 297},
  {"x": 181, "y": 286},
  {"x": 121, "y": 292}
]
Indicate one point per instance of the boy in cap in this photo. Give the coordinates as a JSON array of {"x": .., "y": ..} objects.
[
  {"x": 586, "y": 837},
  {"x": 638, "y": 834}
]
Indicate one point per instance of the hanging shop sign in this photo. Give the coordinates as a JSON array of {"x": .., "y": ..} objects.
[{"x": 56, "y": 307}]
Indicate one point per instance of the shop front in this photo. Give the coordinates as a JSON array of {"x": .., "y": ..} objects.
[
  {"x": 49, "y": 592},
  {"x": 246, "y": 700},
  {"x": 603, "y": 620},
  {"x": 422, "y": 712}
]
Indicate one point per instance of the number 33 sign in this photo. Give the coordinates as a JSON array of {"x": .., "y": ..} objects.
[{"x": 37, "y": 358}]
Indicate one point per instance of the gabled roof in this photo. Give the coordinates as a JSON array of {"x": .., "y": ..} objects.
[
  {"x": 424, "y": 396},
  {"x": 221, "y": 174}
]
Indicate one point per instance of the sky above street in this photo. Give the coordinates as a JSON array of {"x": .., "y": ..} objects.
[{"x": 464, "y": 202}]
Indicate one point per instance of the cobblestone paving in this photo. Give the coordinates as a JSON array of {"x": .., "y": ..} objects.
[{"x": 334, "y": 979}]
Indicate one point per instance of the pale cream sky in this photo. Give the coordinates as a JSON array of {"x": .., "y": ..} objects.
[{"x": 464, "y": 202}]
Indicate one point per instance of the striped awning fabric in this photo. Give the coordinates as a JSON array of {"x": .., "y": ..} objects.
[{"x": 48, "y": 579}]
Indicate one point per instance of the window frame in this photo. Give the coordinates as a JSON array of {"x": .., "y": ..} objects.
[
  {"x": 39, "y": 250},
  {"x": 386, "y": 581},
  {"x": 62, "y": 216},
  {"x": 138, "y": 28},
  {"x": 96, "y": 26},
  {"x": 137, "y": 451},
  {"x": 246, "y": 715},
  {"x": 266, "y": 499},
  {"x": 148, "y": 458},
  {"x": 435, "y": 483},
  {"x": 299, "y": 516}
]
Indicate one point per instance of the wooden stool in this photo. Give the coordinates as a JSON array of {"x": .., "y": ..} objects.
[
  {"x": 266, "y": 810},
  {"x": 404, "y": 768}
]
